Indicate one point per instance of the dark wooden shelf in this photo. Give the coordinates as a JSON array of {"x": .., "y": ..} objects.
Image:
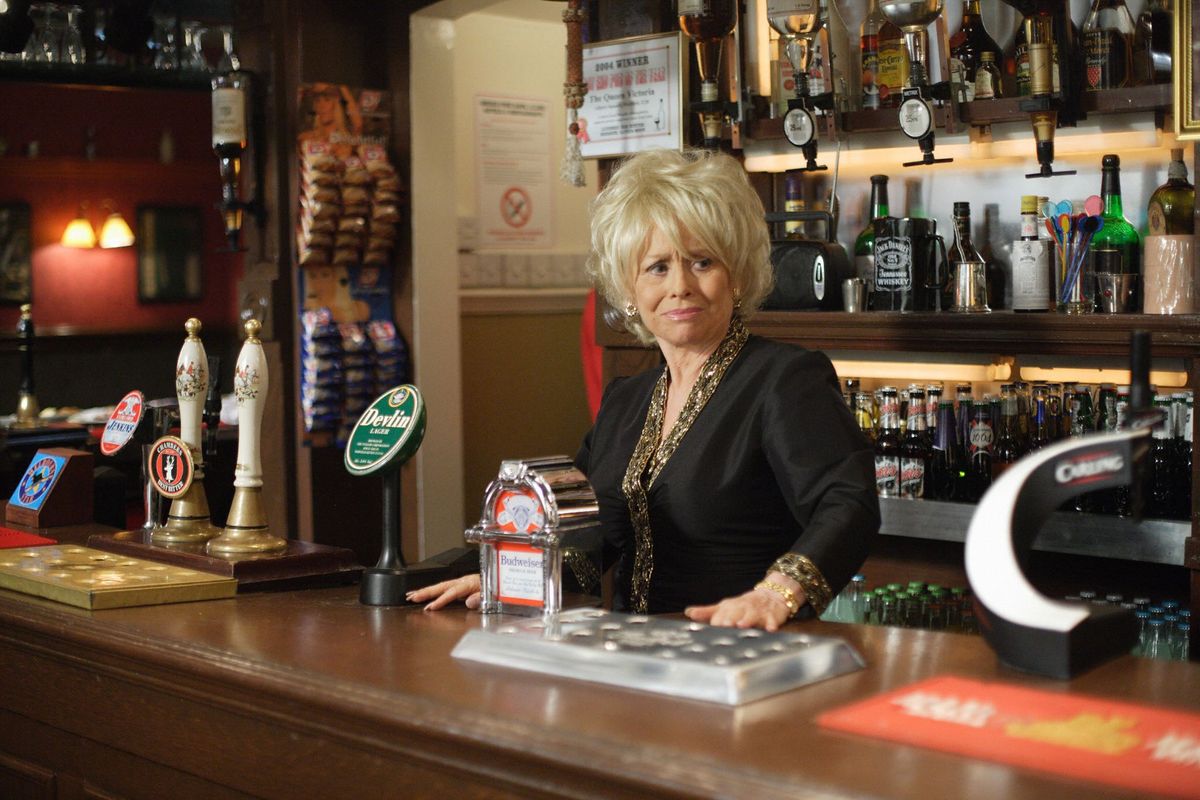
[
  {"x": 93, "y": 76},
  {"x": 1156, "y": 97},
  {"x": 1001, "y": 332},
  {"x": 106, "y": 169}
]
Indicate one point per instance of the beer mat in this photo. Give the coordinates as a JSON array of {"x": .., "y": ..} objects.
[
  {"x": 14, "y": 538},
  {"x": 301, "y": 564},
  {"x": 92, "y": 579},
  {"x": 1137, "y": 747}
]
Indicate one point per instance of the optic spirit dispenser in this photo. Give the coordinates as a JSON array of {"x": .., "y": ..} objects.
[{"x": 916, "y": 107}]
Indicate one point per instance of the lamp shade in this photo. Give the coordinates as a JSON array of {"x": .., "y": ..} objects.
[
  {"x": 116, "y": 232},
  {"x": 79, "y": 233}
]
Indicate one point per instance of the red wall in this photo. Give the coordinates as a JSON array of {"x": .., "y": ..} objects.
[{"x": 97, "y": 289}]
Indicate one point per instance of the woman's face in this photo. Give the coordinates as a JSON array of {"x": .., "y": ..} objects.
[{"x": 684, "y": 299}]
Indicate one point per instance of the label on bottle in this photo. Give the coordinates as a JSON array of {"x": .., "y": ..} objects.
[
  {"x": 228, "y": 117},
  {"x": 985, "y": 83},
  {"x": 1031, "y": 275},
  {"x": 980, "y": 437},
  {"x": 912, "y": 478},
  {"x": 1021, "y": 61},
  {"x": 1167, "y": 285},
  {"x": 785, "y": 7},
  {"x": 693, "y": 8},
  {"x": 887, "y": 476},
  {"x": 1107, "y": 58},
  {"x": 892, "y": 72},
  {"x": 1041, "y": 69},
  {"x": 870, "y": 71},
  {"x": 893, "y": 264}
]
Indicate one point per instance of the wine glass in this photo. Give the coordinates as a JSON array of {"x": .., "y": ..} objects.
[
  {"x": 192, "y": 54},
  {"x": 166, "y": 54},
  {"x": 42, "y": 46},
  {"x": 71, "y": 45}
]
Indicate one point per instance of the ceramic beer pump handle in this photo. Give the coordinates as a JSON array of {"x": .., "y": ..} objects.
[
  {"x": 246, "y": 530},
  {"x": 189, "y": 520}
]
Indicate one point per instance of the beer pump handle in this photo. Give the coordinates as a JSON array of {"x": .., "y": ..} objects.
[
  {"x": 212, "y": 406},
  {"x": 250, "y": 387},
  {"x": 191, "y": 385}
]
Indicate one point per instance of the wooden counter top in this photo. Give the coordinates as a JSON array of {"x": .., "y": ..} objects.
[{"x": 310, "y": 694}]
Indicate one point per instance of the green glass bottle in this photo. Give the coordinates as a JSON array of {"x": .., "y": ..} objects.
[
  {"x": 864, "y": 245},
  {"x": 1116, "y": 248},
  {"x": 1172, "y": 204}
]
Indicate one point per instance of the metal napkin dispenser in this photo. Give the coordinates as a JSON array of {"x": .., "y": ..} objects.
[
  {"x": 808, "y": 272},
  {"x": 537, "y": 513}
]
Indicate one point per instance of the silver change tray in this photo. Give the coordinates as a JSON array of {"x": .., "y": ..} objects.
[{"x": 676, "y": 657}]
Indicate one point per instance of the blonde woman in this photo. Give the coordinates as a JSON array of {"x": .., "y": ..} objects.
[{"x": 734, "y": 485}]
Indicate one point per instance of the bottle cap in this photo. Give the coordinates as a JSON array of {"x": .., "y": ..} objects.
[
  {"x": 962, "y": 209},
  {"x": 1029, "y": 204},
  {"x": 1177, "y": 154},
  {"x": 884, "y": 178},
  {"x": 1111, "y": 160}
]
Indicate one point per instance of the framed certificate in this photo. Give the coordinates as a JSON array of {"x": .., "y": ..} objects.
[
  {"x": 635, "y": 97},
  {"x": 1186, "y": 50}
]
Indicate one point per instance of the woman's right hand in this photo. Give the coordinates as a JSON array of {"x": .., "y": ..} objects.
[{"x": 465, "y": 588}]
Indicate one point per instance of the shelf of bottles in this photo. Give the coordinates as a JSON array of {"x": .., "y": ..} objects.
[
  {"x": 1164, "y": 624},
  {"x": 931, "y": 446}
]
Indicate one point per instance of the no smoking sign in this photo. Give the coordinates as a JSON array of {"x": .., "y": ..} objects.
[{"x": 515, "y": 207}]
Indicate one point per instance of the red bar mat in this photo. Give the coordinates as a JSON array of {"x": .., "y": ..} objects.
[
  {"x": 14, "y": 538},
  {"x": 1087, "y": 738}
]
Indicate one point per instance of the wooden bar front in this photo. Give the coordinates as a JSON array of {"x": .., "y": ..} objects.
[{"x": 310, "y": 694}]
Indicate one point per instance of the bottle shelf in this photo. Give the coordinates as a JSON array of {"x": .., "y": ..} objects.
[
  {"x": 94, "y": 76},
  {"x": 1155, "y": 541},
  {"x": 1154, "y": 97},
  {"x": 108, "y": 170}
]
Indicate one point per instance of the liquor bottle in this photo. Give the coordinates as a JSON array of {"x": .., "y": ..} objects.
[
  {"x": 980, "y": 442},
  {"x": 968, "y": 46},
  {"x": 864, "y": 245},
  {"x": 943, "y": 466},
  {"x": 914, "y": 449},
  {"x": 1007, "y": 449},
  {"x": 793, "y": 200},
  {"x": 1152, "y": 43},
  {"x": 1043, "y": 20},
  {"x": 1024, "y": 413},
  {"x": 1172, "y": 204},
  {"x": 933, "y": 399},
  {"x": 1108, "y": 45},
  {"x": 1083, "y": 422},
  {"x": 892, "y": 75},
  {"x": 1161, "y": 469},
  {"x": 707, "y": 23},
  {"x": 968, "y": 270},
  {"x": 887, "y": 444},
  {"x": 230, "y": 88},
  {"x": 1039, "y": 434},
  {"x": 868, "y": 42},
  {"x": 962, "y": 420},
  {"x": 1116, "y": 247},
  {"x": 988, "y": 85},
  {"x": 1030, "y": 262}
]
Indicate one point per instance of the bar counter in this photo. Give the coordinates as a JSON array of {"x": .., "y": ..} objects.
[{"x": 309, "y": 694}]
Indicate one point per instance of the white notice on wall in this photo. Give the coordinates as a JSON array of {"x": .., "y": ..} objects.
[{"x": 512, "y": 157}]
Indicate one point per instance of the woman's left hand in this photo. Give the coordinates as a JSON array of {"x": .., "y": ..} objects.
[{"x": 757, "y": 608}]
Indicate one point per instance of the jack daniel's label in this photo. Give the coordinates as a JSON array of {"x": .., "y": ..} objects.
[
  {"x": 1108, "y": 54},
  {"x": 893, "y": 264}
]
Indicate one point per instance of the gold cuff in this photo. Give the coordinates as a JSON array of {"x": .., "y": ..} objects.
[
  {"x": 804, "y": 572},
  {"x": 785, "y": 594}
]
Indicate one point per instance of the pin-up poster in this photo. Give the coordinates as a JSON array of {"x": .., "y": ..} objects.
[{"x": 513, "y": 163}]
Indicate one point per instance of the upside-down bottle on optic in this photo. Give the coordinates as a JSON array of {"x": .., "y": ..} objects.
[{"x": 968, "y": 46}]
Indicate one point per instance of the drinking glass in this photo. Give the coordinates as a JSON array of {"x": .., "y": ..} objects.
[
  {"x": 71, "y": 44},
  {"x": 166, "y": 54},
  {"x": 42, "y": 47},
  {"x": 191, "y": 56}
]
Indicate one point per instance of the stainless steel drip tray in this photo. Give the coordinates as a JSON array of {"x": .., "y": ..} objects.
[{"x": 666, "y": 656}]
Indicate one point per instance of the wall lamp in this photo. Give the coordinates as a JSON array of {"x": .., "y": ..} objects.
[{"x": 115, "y": 232}]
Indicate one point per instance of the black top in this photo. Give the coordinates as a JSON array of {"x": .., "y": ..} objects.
[{"x": 774, "y": 462}]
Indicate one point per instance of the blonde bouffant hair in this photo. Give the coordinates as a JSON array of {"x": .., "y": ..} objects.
[{"x": 696, "y": 192}]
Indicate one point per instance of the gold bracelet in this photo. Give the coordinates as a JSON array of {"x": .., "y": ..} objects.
[
  {"x": 804, "y": 572},
  {"x": 786, "y": 594}
]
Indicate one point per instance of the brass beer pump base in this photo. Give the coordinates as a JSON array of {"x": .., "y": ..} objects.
[
  {"x": 189, "y": 521},
  {"x": 246, "y": 531}
]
